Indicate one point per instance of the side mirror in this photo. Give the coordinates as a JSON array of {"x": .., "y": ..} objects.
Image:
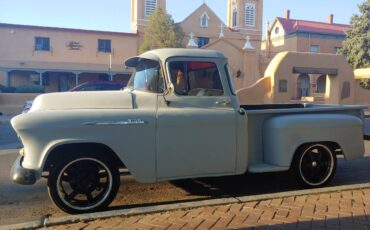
[{"x": 238, "y": 73}]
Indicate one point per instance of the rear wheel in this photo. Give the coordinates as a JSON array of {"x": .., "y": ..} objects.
[
  {"x": 314, "y": 165},
  {"x": 84, "y": 183}
]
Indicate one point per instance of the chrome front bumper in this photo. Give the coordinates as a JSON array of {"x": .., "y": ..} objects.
[{"x": 21, "y": 175}]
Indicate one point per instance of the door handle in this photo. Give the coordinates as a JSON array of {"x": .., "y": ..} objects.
[{"x": 223, "y": 102}]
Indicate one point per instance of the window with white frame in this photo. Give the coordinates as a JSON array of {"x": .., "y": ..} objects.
[
  {"x": 250, "y": 14},
  {"x": 150, "y": 6},
  {"x": 204, "y": 20}
]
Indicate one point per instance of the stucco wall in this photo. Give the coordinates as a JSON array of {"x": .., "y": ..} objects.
[
  {"x": 282, "y": 65},
  {"x": 340, "y": 89},
  {"x": 18, "y": 45},
  {"x": 259, "y": 93}
]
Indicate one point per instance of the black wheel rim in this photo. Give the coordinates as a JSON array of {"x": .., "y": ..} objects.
[
  {"x": 84, "y": 184},
  {"x": 316, "y": 165}
]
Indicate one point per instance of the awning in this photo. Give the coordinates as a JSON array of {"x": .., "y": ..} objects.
[{"x": 311, "y": 70}]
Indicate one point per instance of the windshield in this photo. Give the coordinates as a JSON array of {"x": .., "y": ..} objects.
[{"x": 147, "y": 77}]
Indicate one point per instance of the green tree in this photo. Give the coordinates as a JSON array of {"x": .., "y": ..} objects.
[
  {"x": 161, "y": 32},
  {"x": 356, "y": 45}
]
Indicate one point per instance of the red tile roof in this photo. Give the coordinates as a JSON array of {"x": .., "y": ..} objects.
[{"x": 292, "y": 25}]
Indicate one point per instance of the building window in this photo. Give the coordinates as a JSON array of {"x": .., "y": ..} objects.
[
  {"x": 250, "y": 14},
  {"x": 314, "y": 49},
  {"x": 336, "y": 50},
  {"x": 283, "y": 86},
  {"x": 42, "y": 44},
  {"x": 277, "y": 30},
  {"x": 104, "y": 46},
  {"x": 150, "y": 6},
  {"x": 204, "y": 20},
  {"x": 235, "y": 14},
  {"x": 202, "y": 41}
]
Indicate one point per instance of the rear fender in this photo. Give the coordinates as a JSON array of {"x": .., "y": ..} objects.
[{"x": 283, "y": 135}]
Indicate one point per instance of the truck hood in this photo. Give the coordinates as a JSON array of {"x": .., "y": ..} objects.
[{"x": 83, "y": 100}]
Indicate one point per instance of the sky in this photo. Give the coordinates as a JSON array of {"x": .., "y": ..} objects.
[{"x": 114, "y": 15}]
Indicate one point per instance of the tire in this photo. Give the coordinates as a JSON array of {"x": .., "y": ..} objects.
[
  {"x": 314, "y": 165},
  {"x": 83, "y": 183}
]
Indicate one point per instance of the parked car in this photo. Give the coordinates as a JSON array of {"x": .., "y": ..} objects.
[
  {"x": 87, "y": 86},
  {"x": 178, "y": 118}
]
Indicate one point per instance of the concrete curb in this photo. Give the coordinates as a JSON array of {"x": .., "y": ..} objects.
[
  {"x": 29, "y": 225},
  {"x": 53, "y": 221},
  {"x": 8, "y": 152}
]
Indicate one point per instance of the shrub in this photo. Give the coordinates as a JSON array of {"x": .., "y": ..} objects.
[{"x": 30, "y": 89}]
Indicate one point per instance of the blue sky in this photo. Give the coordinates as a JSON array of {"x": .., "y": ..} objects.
[{"x": 114, "y": 15}]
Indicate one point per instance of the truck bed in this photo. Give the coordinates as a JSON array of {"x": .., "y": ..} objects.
[
  {"x": 299, "y": 108},
  {"x": 258, "y": 114}
]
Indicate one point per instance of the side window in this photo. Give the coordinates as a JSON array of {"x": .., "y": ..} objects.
[{"x": 196, "y": 78}]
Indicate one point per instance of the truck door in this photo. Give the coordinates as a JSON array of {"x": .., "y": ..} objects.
[{"x": 196, "y": 123}]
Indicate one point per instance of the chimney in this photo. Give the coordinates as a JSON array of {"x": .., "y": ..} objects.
[
  {"x": 287, "y": 14},
  {"x": 331, "y": 19}
]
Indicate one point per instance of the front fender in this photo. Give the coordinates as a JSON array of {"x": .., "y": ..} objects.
[
  {"x": 134, "y": 143},
  {"x": 282, "y": 135}
]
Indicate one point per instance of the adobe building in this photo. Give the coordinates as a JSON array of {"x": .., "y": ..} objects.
[
  {"x": 61, "y": 58},
  {"x": 287, "y": 34}
]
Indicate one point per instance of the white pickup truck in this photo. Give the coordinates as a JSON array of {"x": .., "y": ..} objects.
[{"x": 178, "y": 118}]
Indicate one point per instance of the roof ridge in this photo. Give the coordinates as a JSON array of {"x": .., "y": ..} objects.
[
  {"x": 303, "y": 20},
  {"x": 43, "y": 27}
]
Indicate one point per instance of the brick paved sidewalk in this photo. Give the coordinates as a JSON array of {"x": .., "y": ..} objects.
[{"x": 337, "y": 210}]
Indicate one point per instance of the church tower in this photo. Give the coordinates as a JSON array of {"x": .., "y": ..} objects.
[
  {"x": 245, "y": 16},
  {"x": 141, "y": 11}
]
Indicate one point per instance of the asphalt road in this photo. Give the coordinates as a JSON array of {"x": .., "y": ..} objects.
[
  {"x": 8, "y": 137},
  {"x": 25, "y": 203}
]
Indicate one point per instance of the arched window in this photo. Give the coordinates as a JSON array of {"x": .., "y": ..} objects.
[
  {"x": 204, "y": 20},
  {"x": 235, "y": 15},
  {"x": 321, "y": 84},
  {"x": 250, "y": 14}
]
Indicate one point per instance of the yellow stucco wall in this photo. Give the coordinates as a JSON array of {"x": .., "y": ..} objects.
[
  {"x": 19, "y": 45},
  {"x": 281, "y": 68},
  {"x": 258, "y": 93}
]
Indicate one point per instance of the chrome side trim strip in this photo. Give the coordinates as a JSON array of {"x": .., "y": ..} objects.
[{"x": 128, "y": 122}]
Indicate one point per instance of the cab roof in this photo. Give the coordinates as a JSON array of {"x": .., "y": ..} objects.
[{"x": 165, "y": 53}]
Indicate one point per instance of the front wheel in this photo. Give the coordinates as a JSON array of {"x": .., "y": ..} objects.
[
  {"x": 314, "y": 165},
  {"x": 83, "y": 184}
]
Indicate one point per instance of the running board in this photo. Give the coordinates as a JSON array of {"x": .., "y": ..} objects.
[{"x": 263, "y": 167}]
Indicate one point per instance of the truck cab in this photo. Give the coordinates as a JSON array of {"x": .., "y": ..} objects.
[{"x": 197, "y": 111}]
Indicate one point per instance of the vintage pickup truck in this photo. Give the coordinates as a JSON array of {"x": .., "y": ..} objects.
[{"x": 178, "y": 118}]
